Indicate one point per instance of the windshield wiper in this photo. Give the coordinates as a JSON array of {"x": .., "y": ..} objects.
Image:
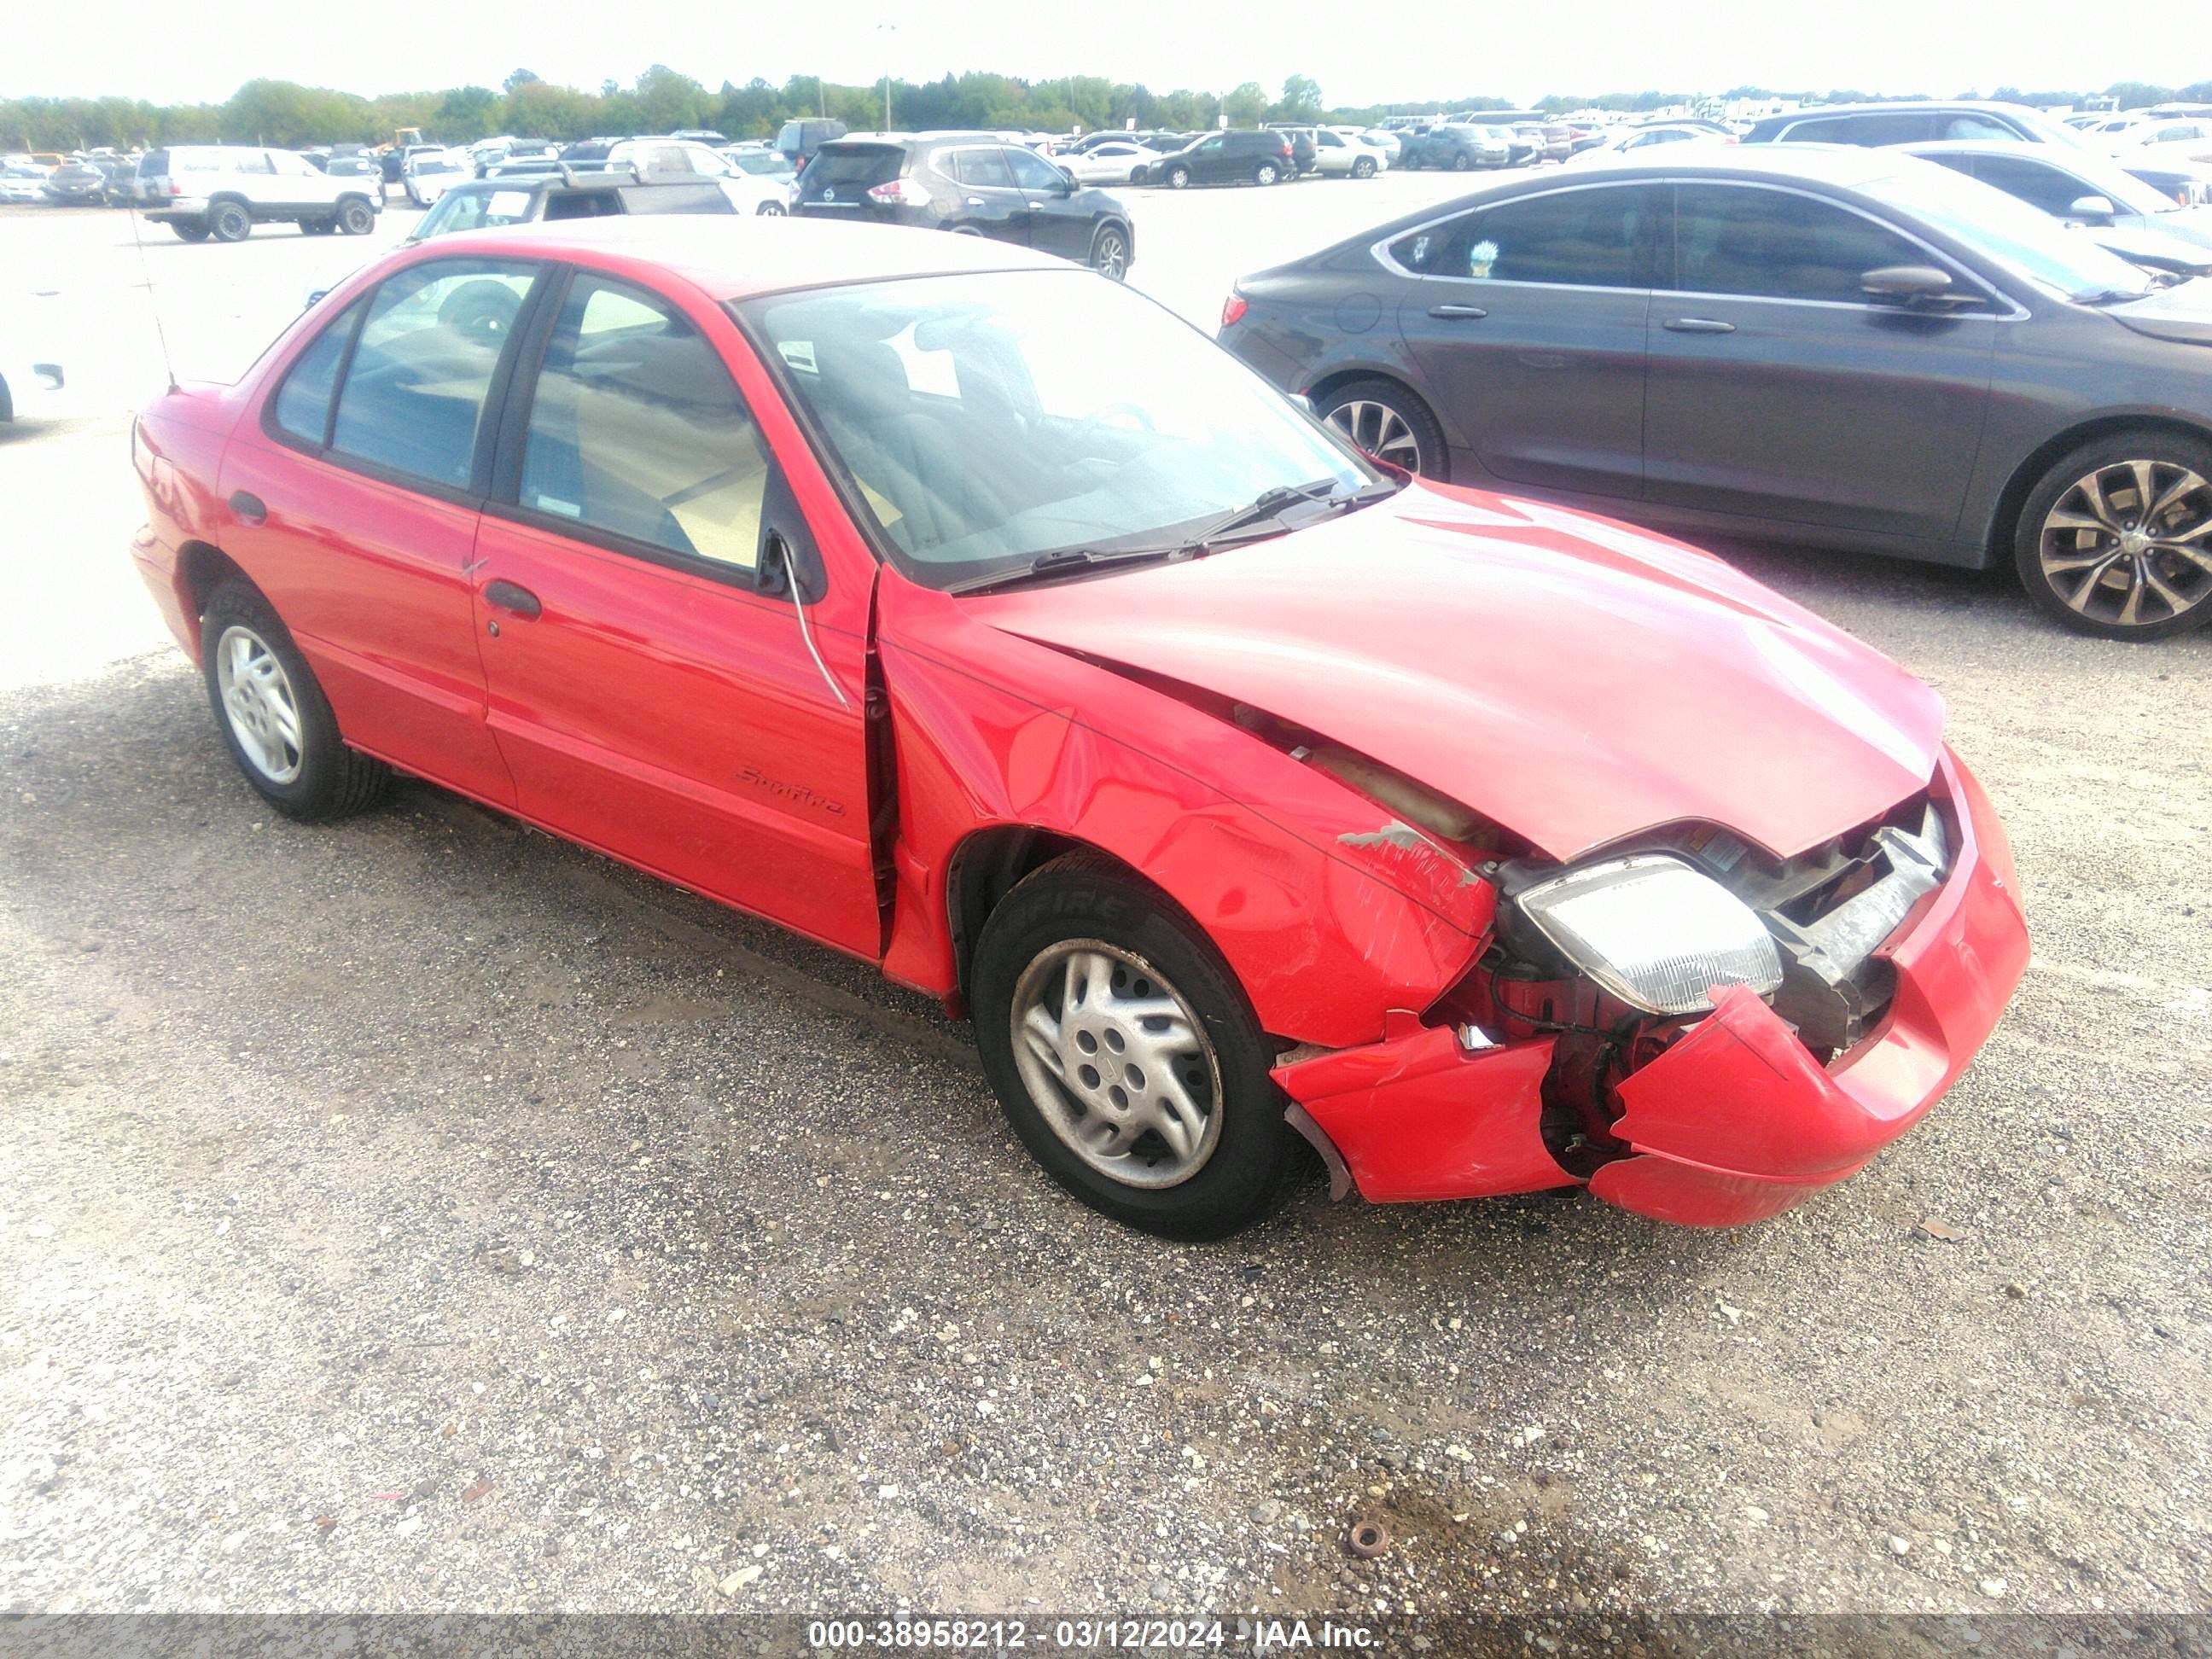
[
  {"x": 1268, "y": 508},
  {"x": 2111, "y": 296},
  {"x": 1060, "y": 562}
]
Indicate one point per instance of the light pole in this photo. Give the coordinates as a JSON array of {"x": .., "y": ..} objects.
[{"x": 887, "y": 28}]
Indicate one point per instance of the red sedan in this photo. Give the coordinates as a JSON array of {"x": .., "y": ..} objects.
[{"x": 970, "y": 614}]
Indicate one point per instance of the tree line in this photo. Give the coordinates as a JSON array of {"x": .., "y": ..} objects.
[{"x": 662, "y": 100}]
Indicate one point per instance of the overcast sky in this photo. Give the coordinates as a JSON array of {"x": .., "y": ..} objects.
[{"x": 199, "y": 50}]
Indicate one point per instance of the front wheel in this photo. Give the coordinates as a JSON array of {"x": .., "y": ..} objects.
[
  {"x": 1461, "y": 162},
  {"x": 2116, "y": 540},
  {"x": 1265, "y": 173},
  {"x": 1126, "y": 1055},
  {"x": 1363, "y": 168},
  {"x": 1109, "y": 251},
  {"x": 769, "y": 210},
  {"x": 1384, "y": 419},
  {"x": 1178, "y": 177},
  {"x": 273, "y": 716},
  {"x": 356, "y": 218}
]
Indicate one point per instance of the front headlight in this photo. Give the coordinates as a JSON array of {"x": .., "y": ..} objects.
[{"x": 1655, "y": 932}]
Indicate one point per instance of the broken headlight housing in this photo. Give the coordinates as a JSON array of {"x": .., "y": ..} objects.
[{"x": 1655, "y": 932}]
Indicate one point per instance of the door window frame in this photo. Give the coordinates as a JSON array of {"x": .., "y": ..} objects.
[
  {"x": 2005, "y": 308},
  {"x": 1644, "y": 252},
  {"x": 482, "y": 460},
  {"x": 503, "y": 497}
]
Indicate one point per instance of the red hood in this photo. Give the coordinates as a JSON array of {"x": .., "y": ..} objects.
[{"x": 1569, "y": 677}]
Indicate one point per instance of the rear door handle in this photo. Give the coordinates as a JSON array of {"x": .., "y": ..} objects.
[
  {"x": 506, "y": 596},
  {"x": 1698, "y": 325},
  {"x": 250, "y": 507},
  {"x": 1457, "y": 311}
]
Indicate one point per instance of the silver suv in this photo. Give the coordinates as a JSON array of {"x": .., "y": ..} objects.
[{"x": 223, "y": 191}]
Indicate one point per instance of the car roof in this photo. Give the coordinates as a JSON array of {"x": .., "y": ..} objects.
[{"x": 736, "y": 258}]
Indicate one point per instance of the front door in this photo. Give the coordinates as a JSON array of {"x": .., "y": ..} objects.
[
  {"x": 655, "y": 694},
  {"x": 991, "y": 203},
  {"x": 1056, "y": 224},
  {"x": 1524, "y": 324},
  {"x": 1779, "y": 390}
]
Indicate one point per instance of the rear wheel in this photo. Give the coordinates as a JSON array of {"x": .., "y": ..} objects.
[
  {"x": 356, "y": 217},
  {"x": 2116, "y": 540},
  {"x": 230, "y": 221},
  {"x": 1126, "y": 1055},
  {"x": 1265, "y": 173},
  {"x": 273, "y": 716},
  {"x": 189, "y": 231},
  {"x": 317, "y": 226},
  {"x": 1384, "y": 419},
  {"x": 1109, "y": 251}
]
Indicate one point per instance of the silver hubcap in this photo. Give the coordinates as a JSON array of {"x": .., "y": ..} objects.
[
  {"x": 1378, "y": 430},
  {"x": 1117, "y": 1063},
  {"x": 258, "y": 699},
  {"x": 1112, "y": 256},
  {"x": 2130, "y": 544}
]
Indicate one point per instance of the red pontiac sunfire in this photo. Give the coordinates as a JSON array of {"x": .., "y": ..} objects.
[{"x": 958, "y": 609}]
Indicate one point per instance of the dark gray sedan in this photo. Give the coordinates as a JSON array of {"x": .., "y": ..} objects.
[{"x": 1848, "y": 347}]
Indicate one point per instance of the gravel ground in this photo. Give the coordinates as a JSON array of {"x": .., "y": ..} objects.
[{"x": 419, "y": 1214}]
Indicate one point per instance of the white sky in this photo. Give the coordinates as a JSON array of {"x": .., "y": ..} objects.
[{"x": 200, "y": 50}]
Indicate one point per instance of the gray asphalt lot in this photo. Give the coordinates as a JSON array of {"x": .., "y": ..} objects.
[{"x": 419, "y": 1213}]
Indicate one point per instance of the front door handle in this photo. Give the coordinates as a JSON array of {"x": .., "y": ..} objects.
[
  {"x": 1698, "y": 325},
  {"x": 1457, "y": 311},
  {"x": 975, "y": 201},
  {"x": 506, "y": 596},
  {"x": 249, "y": 506}
]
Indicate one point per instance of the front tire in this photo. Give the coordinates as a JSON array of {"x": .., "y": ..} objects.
[
  {"x": 1461, "y": 162},
  {"x": 273, "y": 716},
  {"x": 2116, "y": 539},
  {"x": 1126, "y": 1055},
  {"x": 1178, "y": 177},
  {"x": 1364, "y": 167},
  {"x": 356, "y": 217},
  {"x": 230, "y": 221},
  {"x": 769, "y": 210},
  {"x": 1384, "y": 419},
  {"x": 1109, "y": 253}
]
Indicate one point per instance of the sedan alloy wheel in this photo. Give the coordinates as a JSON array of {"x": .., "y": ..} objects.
[
  {"x": 1378, "y": 430},
  {"x": 258, "y": 702},
  {"x": 2128, "y": 544}
]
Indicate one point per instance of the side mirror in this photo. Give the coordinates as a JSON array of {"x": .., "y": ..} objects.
[
  {"x": 2093, "y": 207},
  {"x": 1907, "y": 284}
]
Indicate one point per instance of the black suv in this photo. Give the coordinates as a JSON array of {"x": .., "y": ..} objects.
[
  {"x": 970, "y": 183},
  {"x": 523, "y": 199},
  {"x": 1907, "y": 123},
  {"x": 1260, "y": 156}
]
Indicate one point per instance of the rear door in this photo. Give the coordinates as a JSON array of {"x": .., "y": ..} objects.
[
  {"x": 1778, "y": 390},
  {"x": 651, "y": 697},
  {"x": 991, "y": 201},
  {"x": 1525, "y": 324},
  {"x": 355, "y": 498}
]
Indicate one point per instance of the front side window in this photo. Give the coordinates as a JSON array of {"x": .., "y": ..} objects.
[
  {"x": 414, "y": 393},
  {"x": 1031, "y": 174},
  {"x": 1110, "y": 424},
  {"x": 302, "y": 409},
  {"x": 636, "y": 429},
  {"x": 1779, "y": 245},
  {"x": 2033, "y": 182},
  {"x": 475, "y": 209},
  {"x": 1890, "y": 127},
  {"x": 1570, "y": 237}
]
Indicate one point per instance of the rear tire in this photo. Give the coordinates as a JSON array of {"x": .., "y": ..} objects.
[
  {"x": 230, "y": 221},
  {"x": 1385, "y": 419},
  {"x": 2108, "y": 540},
  {"x": 1180, "y": 1029},
  {"x": 273, "y": 716},
  {"x": 192, "y": 231},
  {"x": 1265, "y": 173}
]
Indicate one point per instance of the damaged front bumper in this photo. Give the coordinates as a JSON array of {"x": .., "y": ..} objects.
[{"x": 1736, "y": 1120}]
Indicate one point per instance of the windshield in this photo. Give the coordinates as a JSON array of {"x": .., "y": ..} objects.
[
  {"x": 474, "y": 210},
  {"x": 988, "y": 419},
  {"x": 2023, "y": 239}
]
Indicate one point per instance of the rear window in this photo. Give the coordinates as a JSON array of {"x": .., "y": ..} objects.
[
  {"x": 153, "y": 164},
  {"x": 862, "y": 165}
]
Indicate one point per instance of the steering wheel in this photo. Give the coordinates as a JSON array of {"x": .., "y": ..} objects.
[
  {"x": 1099, "y": 419},
  {"x": 484, "y": 309}
]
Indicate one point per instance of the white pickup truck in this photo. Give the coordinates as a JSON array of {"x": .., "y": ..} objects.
[{"x": 223, "y": 191}]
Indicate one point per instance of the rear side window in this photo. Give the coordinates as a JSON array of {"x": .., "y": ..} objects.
[
  {"x": 1732, "y": 240},
  {"x": 1571, "y": 238},
  {"x": 636, "y": 428},
  {"x": 982, "y": 169},
  {"x": 302, "y": 409},
  {"x": 414, "y": 392}
]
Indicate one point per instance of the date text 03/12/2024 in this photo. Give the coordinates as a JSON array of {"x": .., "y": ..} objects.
[{"x": 1094, "y": 1635}]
